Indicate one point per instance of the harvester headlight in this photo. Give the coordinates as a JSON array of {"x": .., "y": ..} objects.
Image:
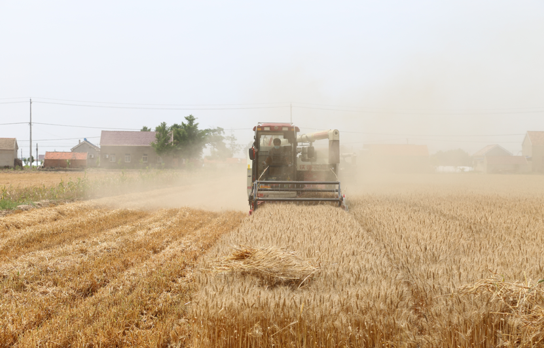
[
  {"x": 285, "y": 128},
  {"x": 266, "y": 128}
]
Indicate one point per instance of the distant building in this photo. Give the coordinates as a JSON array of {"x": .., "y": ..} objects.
[
  {"x": 478, "y": 158},
  {"x": 506, "y": 164},
  {"x": 400, "y": 158},
  {"x": 128, "y": 149},
  {"x": 92, "y": 151},
  {"x": 533, "y": 150},
  {"x": 65, "y": 160},
  {"x": 8, "y": 153}
]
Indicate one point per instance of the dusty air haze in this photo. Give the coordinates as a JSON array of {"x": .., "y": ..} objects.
[{"x": 452, "y": 74}]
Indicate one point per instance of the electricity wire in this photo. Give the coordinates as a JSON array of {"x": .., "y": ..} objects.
[
  {"x": 164, "y": 108},
  {"x": 147, "y": 104},
  {"x": 91, "y": 127}
]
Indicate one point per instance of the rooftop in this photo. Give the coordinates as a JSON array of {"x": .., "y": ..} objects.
[
  {"x": 537, "y": 137},
  {"x": 85, "y": 141},
  {"x": 488, "y": 148},
  {"x": 65, "y": 155},
  {"x": 126, "y": 138},
  {"x": 8, "y": 144}
]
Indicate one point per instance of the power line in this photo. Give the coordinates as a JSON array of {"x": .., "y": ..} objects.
[
  {"x": 13, "y": 102},
  {"x": 235, "y": 107},
  {"x": 73, "y": 126},
  {"x": 60, "y": 139},
  {"x": 164, "y": 108},
  {"x": 311, "y": 105},
  {"x": 227, "y": 106},
  {"x": 6, "y": 124},
  {"x": 418, "y": 110},
  {"x": 147, "y": 104},
  {"x": 400, "y": 112}
]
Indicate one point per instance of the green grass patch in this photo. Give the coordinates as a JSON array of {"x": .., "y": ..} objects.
[{"x": 6, "y": 204}]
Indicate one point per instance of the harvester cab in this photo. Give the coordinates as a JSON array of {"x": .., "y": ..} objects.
[{"x": 284, "y": 166}]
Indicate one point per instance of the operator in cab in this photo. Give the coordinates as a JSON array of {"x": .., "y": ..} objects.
[{"x": 277, "y": 159}]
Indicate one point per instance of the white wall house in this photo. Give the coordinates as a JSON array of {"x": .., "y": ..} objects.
[{"x": 8, "y": 152}]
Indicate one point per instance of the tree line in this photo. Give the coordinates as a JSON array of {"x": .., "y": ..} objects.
[{"x": 186, "y": 140}]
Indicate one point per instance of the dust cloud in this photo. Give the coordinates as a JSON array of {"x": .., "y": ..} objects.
[
  {"x": 478, "y": 78},
  {"x": 217, "y": 190}
]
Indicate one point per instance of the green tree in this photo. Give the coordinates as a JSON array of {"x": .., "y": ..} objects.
[
  {"x": 233, "y": 146},
  {"x": 145, "y": 129},
  {"x": 189, "y": 141},
  {"x": 216, "y": 141},
  {"x": 163, "y": 140}
]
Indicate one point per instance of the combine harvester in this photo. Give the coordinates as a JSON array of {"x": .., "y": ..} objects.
[{"x": 284, "y": 166}]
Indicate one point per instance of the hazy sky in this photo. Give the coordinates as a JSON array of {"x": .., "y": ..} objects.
[{"x": 448, "y": 74}]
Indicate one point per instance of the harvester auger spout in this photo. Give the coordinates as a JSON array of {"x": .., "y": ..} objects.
[{"x": 284, "y": 166}]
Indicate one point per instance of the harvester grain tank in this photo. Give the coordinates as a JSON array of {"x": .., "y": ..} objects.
[{"x": 284, "y": 166}]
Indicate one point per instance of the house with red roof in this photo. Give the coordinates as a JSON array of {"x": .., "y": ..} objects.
[
  {"x": 400, "y": 158},
  {"x": 128, "y": 149},
  {"x": 533, "y": 150},
  {"x": 65, "y": 160}
]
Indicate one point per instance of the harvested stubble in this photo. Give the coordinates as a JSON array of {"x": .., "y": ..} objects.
[{"x": 89, "y": 276}]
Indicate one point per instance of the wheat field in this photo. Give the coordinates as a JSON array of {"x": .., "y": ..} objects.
[
  {"x": 82, "y": 274},
  {"x": 436, "y": 261},
  {"x": 440, "y": 264}
]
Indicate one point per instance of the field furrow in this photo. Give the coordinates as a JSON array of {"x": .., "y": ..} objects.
[
  {"x": 51, "y": 269},
  {"x": 146, "y": 304}
]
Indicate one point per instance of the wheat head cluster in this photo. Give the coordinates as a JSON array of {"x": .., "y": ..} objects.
[{"x": 418, "y": 269}]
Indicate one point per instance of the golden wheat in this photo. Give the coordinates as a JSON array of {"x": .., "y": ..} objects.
[
  {"x": 438, "y": 261},
  {"x": 393, "y": 272},
  {"x": 88, "y": 275}
]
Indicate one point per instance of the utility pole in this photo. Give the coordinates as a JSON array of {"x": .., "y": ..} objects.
[
  {"x": 30, "y": 147},
  {"x": 36, "y": 154},
  {"x": 291, "y": 112}
]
